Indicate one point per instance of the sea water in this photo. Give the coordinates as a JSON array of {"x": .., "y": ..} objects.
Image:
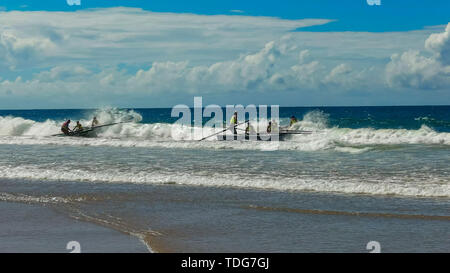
[{"x": 363, "y": 174}]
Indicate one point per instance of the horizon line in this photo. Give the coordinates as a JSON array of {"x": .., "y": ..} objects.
[{"x": 323, "y": 106}]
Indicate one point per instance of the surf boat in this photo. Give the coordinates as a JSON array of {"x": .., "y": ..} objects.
[
  {"x": 282, "y": 135},
  {"x": 89, "y": 132}
]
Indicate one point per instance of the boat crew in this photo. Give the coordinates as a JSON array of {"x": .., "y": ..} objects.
[
  {"x": 293, "y": 121},
  {"x": 94, "y": 122},
  {"x": 234, "y": 122},
  {"x": 274, "y": 127},
  {"x": 65, "y": 127},
  {"x": 269, "y": 127},
  {"x": 78, "y": 127},
  {"x": 249, "y": 130}
]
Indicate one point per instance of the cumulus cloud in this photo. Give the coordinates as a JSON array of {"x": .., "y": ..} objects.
[
  {"x": 439, "y": 44},
  {"x": 412, "y": 69},
  {"x": 63, "y": 73},
  {"x": 19, "y": 50},
  {"x": 261, "y": 71}
]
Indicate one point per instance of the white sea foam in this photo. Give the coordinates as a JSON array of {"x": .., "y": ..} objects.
[{"x": 432, "y": 187}]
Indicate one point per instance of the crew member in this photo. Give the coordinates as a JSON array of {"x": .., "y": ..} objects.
[
  {"x": 78, "y": 127},
  {"x": 94, "y": 122},
  {"x": 274, "y": 127},
  {"x": 269, "y": 127},
  {"x": 249, "y": 130},
  {"x": 293, "y": 121},
  {"x": 234, "y": 122},
  {"x": 65, "y": 128}
]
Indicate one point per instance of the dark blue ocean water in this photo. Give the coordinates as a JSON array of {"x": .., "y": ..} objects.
[{"x": 379, "y": 117}]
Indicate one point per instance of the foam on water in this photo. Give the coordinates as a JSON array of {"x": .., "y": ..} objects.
[{"x": 434, "y": 186}]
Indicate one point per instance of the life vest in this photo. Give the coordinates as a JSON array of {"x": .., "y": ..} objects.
[
  {"x": 249, "y": 130},
  {"x": 65, "y": 125},
  {"x": 294, "y": 120},
  {"x": 233, "y": 120}
]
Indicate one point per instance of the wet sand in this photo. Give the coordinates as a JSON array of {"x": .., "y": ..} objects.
[{"x": 30, "y": 228}]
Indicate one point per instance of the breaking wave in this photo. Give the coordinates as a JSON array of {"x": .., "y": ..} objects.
[{"x": 20, "y": 131}]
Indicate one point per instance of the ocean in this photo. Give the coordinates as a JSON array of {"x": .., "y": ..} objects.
[{"x": 364, "y": 174}]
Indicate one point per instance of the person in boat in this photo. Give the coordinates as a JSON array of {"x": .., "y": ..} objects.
[
  {"x": 269, "y": 127},
  {"x": 249, "y": 130},
  {"x": 293, "y": 121},
  {"x": 78, "y": 127},
  {"x": 274, "y": 127},
  {"x": 234, "y": 122},
  {"x": 94, "y": 122},
  {"x": 65, "y": 128}
]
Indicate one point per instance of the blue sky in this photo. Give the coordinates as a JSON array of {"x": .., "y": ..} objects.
[
  {"x": 160, "y": 53},
  {"x": 350, "y": 15}
]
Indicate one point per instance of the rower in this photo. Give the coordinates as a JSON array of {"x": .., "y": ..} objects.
[
  {"x": 94, "y": 122},
  {"x": 234, "y": 122},
  {"x": 78, "y": 127},
  {"x": 274, "y": 127},
  {"x": 249, "y": 130},
  {"x": 65, "y": 128},
  {"x": 269, "y": 127},
  {"x": 293, "y": 121}
]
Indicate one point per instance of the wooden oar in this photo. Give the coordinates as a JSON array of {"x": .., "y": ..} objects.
[
  {"x": 223, "y": 130},
  {"x": 295, "y": 132}
]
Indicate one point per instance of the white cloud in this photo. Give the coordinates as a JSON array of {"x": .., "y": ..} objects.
[
  {"x": 116, "y": 35},
  {"x": 261, "y": 71},
  {"x": 63, "y": 73},
  {"x": 439, "y": 44},
  {"x": 411, "y": 69},
  {"x": 20, "y": 50}
]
